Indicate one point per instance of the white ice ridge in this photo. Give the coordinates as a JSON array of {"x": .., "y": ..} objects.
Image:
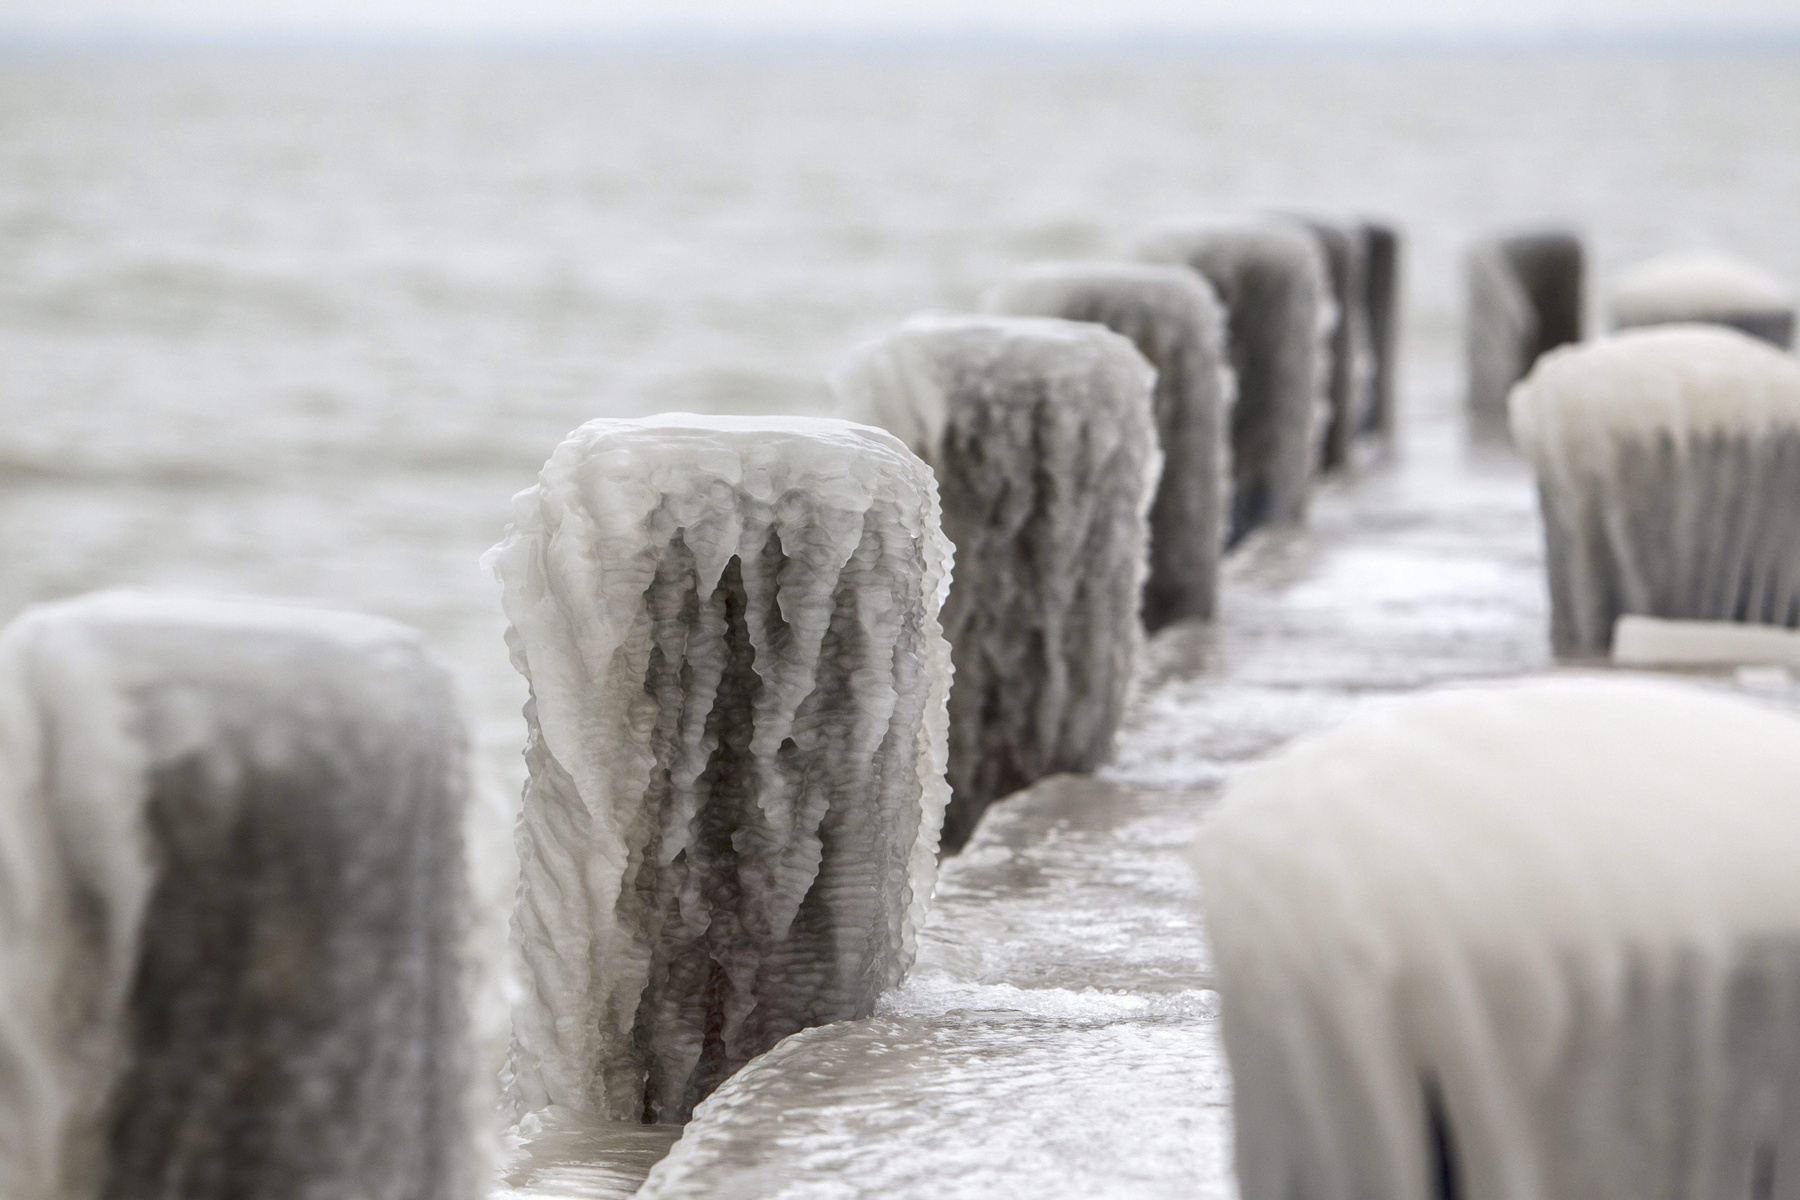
[
  {"x": 1705, "y": 287},
  {"x": 1352, "y": 370},
  {"x": 1525, "y": 298},
  {"x": 1174, "y": 318},
  {"x": 1668, "y": 467},
  {"x": 1043, "y": 438},
  {"x": 1276, "y": 287},
  {"x": 1534, "y": 940},
  {"x": 1655, "y": 642},
  {"x": 232, "y": 897},
  {"x": 737, "y": 741}
]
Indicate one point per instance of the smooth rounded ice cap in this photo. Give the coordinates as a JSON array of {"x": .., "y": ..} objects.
[{"x": 1695, "y": 287}]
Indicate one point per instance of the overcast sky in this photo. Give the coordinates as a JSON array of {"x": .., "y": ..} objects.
[{"x": 871, "y": 17}]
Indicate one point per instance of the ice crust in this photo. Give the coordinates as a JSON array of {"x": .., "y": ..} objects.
[
  {"x": 1352, "y": 350},
  {"x": 1655, "y": 642},
  {"x": 1668, "y": 466},
  {"x": 736, "y": 750},
  {"x": 1525, "y": 298},
  {"x": 1536, "y": 940},
  {"x": 1174, "y": 318},
  {"x": 1381, "y": 296},
  {"x": 1713, "y": 288},
  {"x": 1042, "y": 435},
  {"x": 1276, "y": 288},
  {"x": 232, "y": 907}
]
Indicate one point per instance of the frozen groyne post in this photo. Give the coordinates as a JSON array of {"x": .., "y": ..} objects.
[
  {"x": 1042, "y": 436},
  {"x": 1668, "y": 467},
  {"x": 1176, "y": 321},
  {"x": 1381, "y": 283},
  {"x": 1707, "y": 288},
  {"x": 736, "y": 750},
  {"x": 1352, "y": 366},
  {"x": 1524, "y": 940},
  {"x": 234, "y": 898},
  {"x": 1525, "y": 299},
  {"x": 1273, "y": 280}
]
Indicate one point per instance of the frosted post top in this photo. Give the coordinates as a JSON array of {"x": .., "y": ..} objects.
[
  {"x": 140, "y": 608},
  {"x": 1687, "y": 286}
]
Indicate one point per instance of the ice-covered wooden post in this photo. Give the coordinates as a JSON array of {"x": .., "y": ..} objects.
[
  {"x": 737, "y": 725},
  {"x": 1381, "y": 282},
  {"x": 1352, "y": 366},
  {"x": 1668, "y": 468},
  {"x": 232, "y": 903},
  {"x": 1042, "y": 436},
  {"x": 1175, "y": 320},
  {"x": 1525, "y": 940},
  {"x": 1273, "y": 280},
  {"x": 1525, "y": 299},
  {"x": 1709, "y": 288}
]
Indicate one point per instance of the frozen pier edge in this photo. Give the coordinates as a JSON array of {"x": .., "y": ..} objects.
[
  {"x": 737, "y": 740},
  {"x": 233, "y": 907},
  {"x": 1709, "y": 288},
  {"x": 1352, "y": 370},
  {"x": 1174, "y": 318},
  {"x": 1530, "y": 940},
  {"x": 1042, "y": 436},
  {"x": 1668, "y": 466},
  {"x": 1525, "y": 297}
]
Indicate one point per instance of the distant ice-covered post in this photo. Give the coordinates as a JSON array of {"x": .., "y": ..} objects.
[
  {"x": 1174, "y": 318},
  {"x": 1525, "y": 298},
  {"x": 1042, "y": 435},
  {"x": 1273, "y": 280},
  {"x": 1707, "y": 288},
  {"x": 1668, "y": 469},
  {"x": 1381, "y": 250},
  {"x": 737, "y": 740},
  {"x": 1515, "y": 940},
  {"x": 1352, "y": 352},
  {"x": 235, "y": 893}
]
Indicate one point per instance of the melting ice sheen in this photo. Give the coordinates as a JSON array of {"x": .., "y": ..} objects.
[
  {"x": 1705, "y": 287},
  {"x": 1523, "y": 940},
  {"x": 1042, "y": 435},
  {"x": 737, "y": 740},
  {"x": 1525, "y": 299}
]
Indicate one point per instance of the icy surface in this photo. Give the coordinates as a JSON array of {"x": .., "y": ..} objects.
[
  {"x": 230, "y": 839},
  {"x": 1655, "y": 642},
  {"x": 737, "y": 746},
  {"x": 1668, "y": 464},
  {"x": 1275, "y": 285},
  {"x": 1042, "y": 435},
  {"x": 1518, "y": 940},
  {"x": 1352, "y": 349},
  {"x": 1174, "y": 318},
  {"x": 1705, "y": 287},
  {"x": 1524, "y": 299}
]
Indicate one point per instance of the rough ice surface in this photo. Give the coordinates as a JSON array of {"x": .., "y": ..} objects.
[
  {"x": 1656, "y": 642},
  {"x": 1381, "y": 297},
  {"x": 736, "y": 752},
  {"x": 1174, "y": 318},
  {"x": 1515, "y": 940},
  {"x": 1042, "y": 435},
  {"x": 1712, "y": 288},
  {"x": 1277, "y": 291},
  {"x": 1352, "y": 348},
  {"x": 233, "y": 907},
  {"x": 1668, "y": 466},
  {"x": 1525, "y": 298}
]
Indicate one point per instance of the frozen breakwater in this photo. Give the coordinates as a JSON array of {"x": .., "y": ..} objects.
[{"x": 1525, "y": 298}]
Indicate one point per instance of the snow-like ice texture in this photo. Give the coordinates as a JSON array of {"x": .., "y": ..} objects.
[
  {"x": 1524, "y": 299},
  {"x": 1176, "y": 321},
  {"x": 1668, "y": 468},
  {"x": 1655, "y": 642},
  {"x": 1352, "y": 369},
  {"x": 232, "y": 897},
  {"x": 736, "y": 753},
  {"x": 1277, "y": 293},
  {"x": 1528, "y": 940},
  {"x": 1381, "y": 283},
  {"x": 1705, "y": 287},
  {"x": 1042, "y": 435}
]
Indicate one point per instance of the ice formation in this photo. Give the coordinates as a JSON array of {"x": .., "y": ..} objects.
[
  {"x": 1042, "y": 435},
  {"x": 234, "y": 893},
  {"x": 1705, "y": 287},
  {"x": 1352, "y": 350},
  {"x": 1668, "y": 467},
  {"x": 1381, "y": 284},
  {"x": 736, "y": 752},
  {"x": 1176, "y": 321},
  {"x": 1536, "y": 940},
  {"x": 1656, "y": 642},
  {"x": 1525, "y": 299},
  {"x": 1276, "y": 288}
]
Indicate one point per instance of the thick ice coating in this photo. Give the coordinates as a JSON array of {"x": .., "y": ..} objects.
[
  {"x": 1536, "y": 940},
  {"x": 1175, "y": 320},
  {"x": 1524, "y": 299},
  {"x": 232, "y": 893},
  {"x": 1711, "y": 288},
  {"x": 1352, "y": 350},
  {"x": 1668, "y": 467},
  {"x": 737, "y": 740},
  {"x": 1381, "y": 292},
  {"x": 1276, "y": 288},
  {"x": 1042, "y": 435}
]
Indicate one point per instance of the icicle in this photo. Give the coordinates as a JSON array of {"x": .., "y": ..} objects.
[
  {"x": 1705, "y": 287},
  {"x": 1381, "y": 250},
  {"x": 1525, "y": 299}
]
